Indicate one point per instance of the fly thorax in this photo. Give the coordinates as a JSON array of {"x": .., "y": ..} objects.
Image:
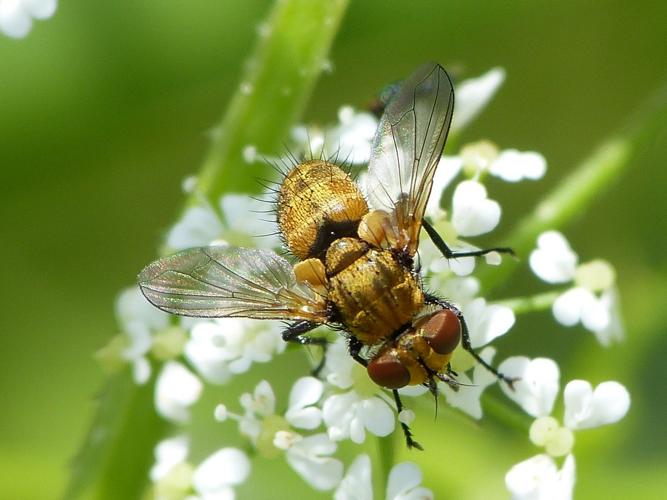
[
  {"x": 342, "y": 253},
  {"x": 318, "y": 203}
]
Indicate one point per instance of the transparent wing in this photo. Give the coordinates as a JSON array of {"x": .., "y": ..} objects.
[
  {"x": 223, "y": 281},
  {"x": 407, "y": 148}
]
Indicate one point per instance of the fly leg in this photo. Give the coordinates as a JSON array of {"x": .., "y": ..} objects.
[
  {"x": 451, "y": 254},
  {"x": 465, "y": 338},
  {"x": 406, "y": 429},
  {"x": 355, "y": 348},
  {"x": 295, "y": 333}
]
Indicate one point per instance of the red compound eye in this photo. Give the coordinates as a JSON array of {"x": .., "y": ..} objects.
[
  {"x": 442, "y": 331},
  {"x": 387, "y": 370}
]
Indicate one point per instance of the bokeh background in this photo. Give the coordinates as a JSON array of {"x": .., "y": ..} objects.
[{"x": 105, "y": 108}]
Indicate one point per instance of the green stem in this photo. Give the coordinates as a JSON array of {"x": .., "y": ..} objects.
[
  {"x": 502, "y": 411},
  {"x": 118, "y": 451},
  {"x": 273, "y": 92},
  {"x": 539, "y": 302},
  {"x": 584, "y": 185},
  {"x": 385, "y": 458},
  {"x": 280, "y": 75}
]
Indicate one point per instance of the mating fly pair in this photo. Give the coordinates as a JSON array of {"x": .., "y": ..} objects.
[{"x": 356, "y": 269}]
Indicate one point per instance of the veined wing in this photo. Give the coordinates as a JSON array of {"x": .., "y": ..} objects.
[
  {"x": 407, "y": 149},
  {"x": 224, "y": 281}
]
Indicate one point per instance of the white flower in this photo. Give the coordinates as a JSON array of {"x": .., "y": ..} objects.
[
  {"x": 306, "y": 392},
  {"x": 213, "y": 479},
  {"x": 198, "y": 226},
  {"x": 473, "y": 95},
  {"x": 310, "y": 458},
  {"x": 586, "y": 408},
  {"x": 356, "y": 485},
  {"x": 467, "y": 398},
  {"x": 599, "y": 314},
  {"x": 301, "y": 412},
  {"x": 487, "y": 322},
  {"x": 553, "y": 261},
  {"x": 513, "y": 166},
  {"x": 216, "y": 476},
  {"x": 537, "y": 385},
  {"x": 349, "y": 415},
  {"x": 176, "y": 389},
  {"x": 592, "y": 301},
  {"x": 472, "y": 212},
  {"x": 139, "y": 320},
  {"x": 509, "y": 165},
  {"x": 403, "y": 482},
  {"x": 221, "y": 348},
  {"x": 240, "y": 222},
  {"x": 352, "y": 139},
  {"x": 360, "y": 408},
  {"x": 536, "y": 390},
  {"x": 169, "y": 453},
  {"x": 16, "y": 15},
  {"x": 538, "y": 478}
]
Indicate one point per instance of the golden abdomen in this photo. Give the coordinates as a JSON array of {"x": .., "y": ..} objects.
[
  {"x": 373, "y": 294},
  {"x": 318, "y": 203}
]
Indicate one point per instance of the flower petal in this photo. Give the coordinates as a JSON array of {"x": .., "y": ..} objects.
[
  {"x": 321, "y": 472},
  {"x": 538, "y": 478},
  {"x": 198, "y": 226},
  {"x": 14, "y": 20},
  {"x": 40, "y": 9},
  {"x": 472, "y": 96},
  {"x": 586, "y": 408},
  {"x": 553, "y": 260},
  {"x": 376, "y": 416},
  {"x": 487, "y": 322},
  {"x": 403, "y": 483},
  {"x": 513, "y": 166},
  {"x": 538, "y": 383},
  {"x": 356, "y": 485},
  {"x": 569, "y": 307},
  {"x": 176, "y": 389},
  {"x": 224, "y": 468},
  {"x": 168, "y": 453},
  {"x": 472, "y": 212}
]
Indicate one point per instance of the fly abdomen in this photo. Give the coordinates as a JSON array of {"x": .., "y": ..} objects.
[{"x": 373, "y": 294}]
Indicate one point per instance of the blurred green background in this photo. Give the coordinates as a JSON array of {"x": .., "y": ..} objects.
[{"x": 105, "y": 108}]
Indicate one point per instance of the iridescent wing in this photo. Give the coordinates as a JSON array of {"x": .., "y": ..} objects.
[
  {"x": 224, "y": 281},
  {"x": 407, "y": 149}
]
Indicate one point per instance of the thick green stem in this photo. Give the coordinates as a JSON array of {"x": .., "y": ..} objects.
[
  {"x": 584, "y": 185},
  {"x": 279, "y": 78},
  {"x": 278, "y": 81}
]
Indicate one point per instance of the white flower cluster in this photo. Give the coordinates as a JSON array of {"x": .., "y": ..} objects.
[
  {"x": 16, "y": 15},
  {"x": 592, "y": 301},
  {"x": 585, "y": 408},
  {"x": 345, "y": 404}
]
